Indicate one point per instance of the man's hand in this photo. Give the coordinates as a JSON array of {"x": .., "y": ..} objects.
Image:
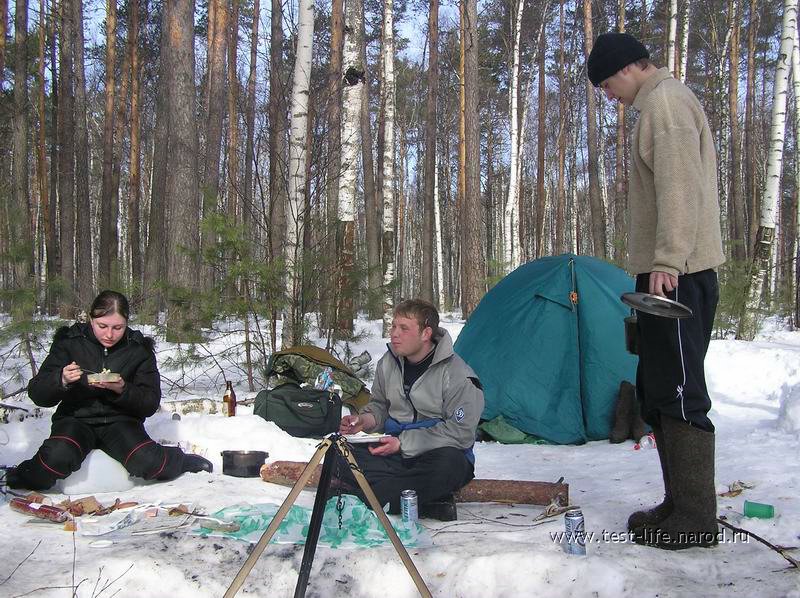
[
  {"x": 662, "y": 283},
  {"x": 388, "y": 446},
  {"x": 353, "y": 424}
]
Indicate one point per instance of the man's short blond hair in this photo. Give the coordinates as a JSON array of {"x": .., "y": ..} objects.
[{"x": 422, "y": 311}]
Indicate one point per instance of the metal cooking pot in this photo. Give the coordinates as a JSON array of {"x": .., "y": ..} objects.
[{"x": 243, "y": 464}]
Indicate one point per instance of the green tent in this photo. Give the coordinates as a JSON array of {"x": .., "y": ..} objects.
[{"x": 548, "y": 344}]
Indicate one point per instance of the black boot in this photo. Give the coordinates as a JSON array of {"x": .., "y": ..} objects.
[
  {"x": 623, "y": 413},
  {"x": 657, "y": 514},
  {"x": 196, "y": 464},
  {"x": 693, "y": 521},
  {"x": 443, "y": 509}
]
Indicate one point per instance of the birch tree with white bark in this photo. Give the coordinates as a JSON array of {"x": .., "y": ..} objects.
[
  {"x": 298, "y": 141},
  {"x": 352, "y": 89},
  {"x": 766, "y": 228},
  {"x": 687, "y": 5},
  {"x": 510, "y": 238},
  {"x": 438, "y": 236},
  {"x": 387, "y": 54},
  {"x": 672, "y": 34},
  {"x": 796, "y": 87}
]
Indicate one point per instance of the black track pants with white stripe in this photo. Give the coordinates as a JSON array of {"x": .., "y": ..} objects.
[{"x": 670, "y": 380}]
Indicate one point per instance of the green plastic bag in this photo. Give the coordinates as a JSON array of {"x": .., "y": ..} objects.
[{"x": 360, "y": 527}]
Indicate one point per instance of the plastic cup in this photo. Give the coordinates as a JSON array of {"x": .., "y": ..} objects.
[{"x": 757, "y": 509}]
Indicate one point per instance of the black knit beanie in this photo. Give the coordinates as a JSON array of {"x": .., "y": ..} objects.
[{"x": 613, "y": 52}]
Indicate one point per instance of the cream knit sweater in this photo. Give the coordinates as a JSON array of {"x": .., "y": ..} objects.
[{"x": 673, "y": 203}]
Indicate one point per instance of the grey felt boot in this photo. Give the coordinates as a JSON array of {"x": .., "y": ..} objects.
[
  {"x": 657, "y": 514},
  {"x": 638, "y": 427},
  {"x": 693, "y": 521},
  {"x": 623, "y": 411}
]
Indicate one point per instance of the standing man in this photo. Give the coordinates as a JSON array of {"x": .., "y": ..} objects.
[
  {"x": 674, "y": 247},
  {"x": 428, "y": 401}
]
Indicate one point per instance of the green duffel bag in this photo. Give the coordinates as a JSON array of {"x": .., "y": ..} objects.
[{"x": 305, "y": 412}]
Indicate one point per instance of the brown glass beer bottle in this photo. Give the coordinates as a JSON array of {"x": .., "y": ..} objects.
[{"x": 229, "y": 400}]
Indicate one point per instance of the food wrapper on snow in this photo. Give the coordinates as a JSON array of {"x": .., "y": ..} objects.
[{"x": 104, "y": 376}]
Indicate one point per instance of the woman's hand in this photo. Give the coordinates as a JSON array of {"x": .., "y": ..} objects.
[
  {"x": 116, "y": 387},
  {"x": 70, "y": 374}
]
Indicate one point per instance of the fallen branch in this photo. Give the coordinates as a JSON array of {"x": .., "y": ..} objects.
[
  {"x": 19, "y": 391},
  {"x": 780, "y": 550},
  {"x": 22, "y": 562},
  {"x": 286, "y": 473}
]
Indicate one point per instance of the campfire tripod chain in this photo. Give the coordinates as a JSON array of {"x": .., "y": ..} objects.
[{"x": 339, "y": 444}]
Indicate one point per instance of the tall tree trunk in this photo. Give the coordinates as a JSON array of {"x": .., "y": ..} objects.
[
  {"x": 20, "y": 214},
  {"x": 473, "y": 265},
  {"x": 354, "y": 79},
  {"x": 672, "y": 34},
  {"x": 108, "y": 211},
  {"x": 278, "y": 175},
  {"x": 429, "y": 208},
  {"x": 794, "y": 253},
  {"x": 85, "y": 262},
  {"x": 388, "y": 99},
  {"x": 66, "y": 159},
  {"x": 561, "y": 199},
  {"x": 250, "y": 116},
  {"x": 156, "y": 261},
  {"x": 687, "y": 4},
  {"x": 462, "y": 145},
  {"x": 512, "y": 200},
  {"x": 491, "y": 220},
  {"x": 736, "y": 208},
  {"x": 233, "y": 113},
  {"x": 48, "y": 209},
  {"x": 595, "y": 201},
  {"x": 3, "y": 33},
  {"x": 332, "y": 295},
  {"x": 55, "y": 249},
  {"x": 298, "y": 140},
  {"x": 215, "y": 114},
  {"x": 751, "y": 190},
  {"x": 134, "y": 192},
  {"x": 182, "y": 188},
  {"x": 766, "y": 230},
  {"x": 541, "y": 133},
  {"x": 437, "y": 211},
  {"x": 84, "y": 257},
  {"x": 372, "y": 221},
  {"x": 334, "y": 166},
  {"x": 620, "y": 172}
]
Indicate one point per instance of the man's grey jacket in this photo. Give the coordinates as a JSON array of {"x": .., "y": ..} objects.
[{"x": 448, "y": 391}]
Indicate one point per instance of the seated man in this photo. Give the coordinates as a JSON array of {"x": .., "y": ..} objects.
[{"x": 429, "y": 401}]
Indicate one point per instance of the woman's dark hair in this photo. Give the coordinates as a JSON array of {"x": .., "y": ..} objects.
[{"x": 110, "y": 302}]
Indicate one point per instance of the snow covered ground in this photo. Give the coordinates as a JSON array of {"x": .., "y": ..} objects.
[{"x": 493, "y": 550}]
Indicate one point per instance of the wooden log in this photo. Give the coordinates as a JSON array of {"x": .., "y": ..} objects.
[{"x": 286, "y": 473}]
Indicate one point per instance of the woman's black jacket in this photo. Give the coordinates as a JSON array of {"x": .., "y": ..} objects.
[{"x": 132, "y": 357}]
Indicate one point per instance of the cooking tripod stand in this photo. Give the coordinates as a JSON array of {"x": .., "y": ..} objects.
[{"x": 339, "y": 445}]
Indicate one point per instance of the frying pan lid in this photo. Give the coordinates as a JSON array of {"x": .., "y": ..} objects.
[{"x": 656, "y": 305}]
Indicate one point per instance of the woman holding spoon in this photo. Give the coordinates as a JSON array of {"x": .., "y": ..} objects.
[{"x": 105, "y": 411}]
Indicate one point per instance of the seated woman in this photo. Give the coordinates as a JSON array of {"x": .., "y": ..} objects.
[{"x": 104, "y": 415}]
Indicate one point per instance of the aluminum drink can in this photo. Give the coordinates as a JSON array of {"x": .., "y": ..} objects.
[
  {"x": 576, "y": 534},
  {"x": 408, "y": 507}
]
